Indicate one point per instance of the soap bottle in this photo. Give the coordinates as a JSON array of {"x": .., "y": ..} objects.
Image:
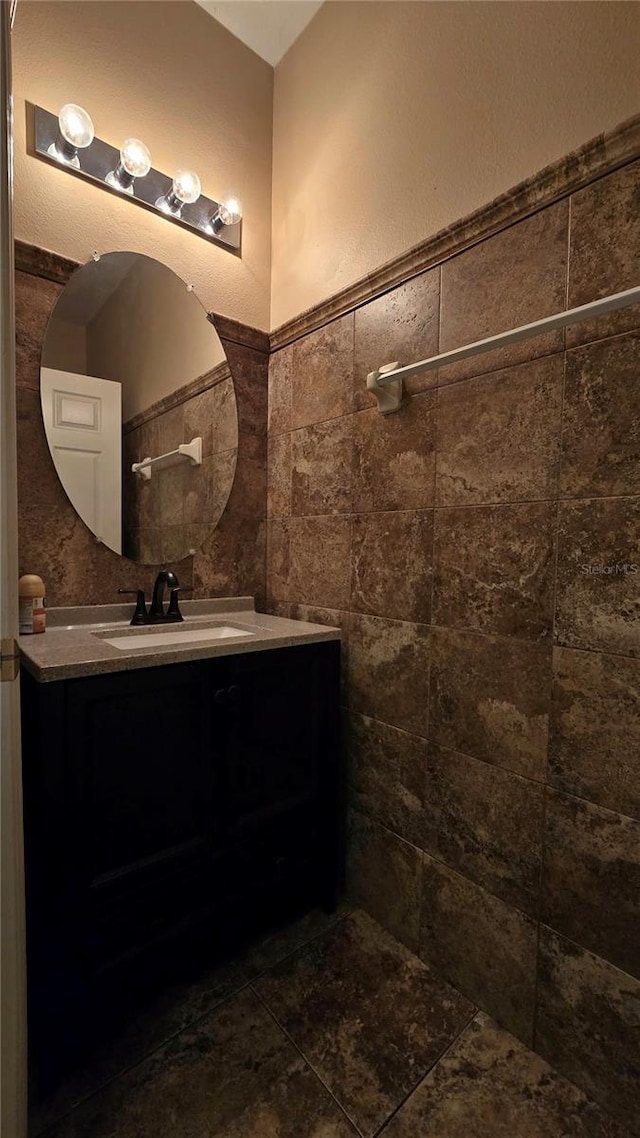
[{"x": 31, "y": 594}]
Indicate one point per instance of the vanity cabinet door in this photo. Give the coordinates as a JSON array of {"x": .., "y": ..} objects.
[
  {"x": 278, "y": 707},
  {"x": 141, "y": 782},
  {"x": 281, "y": 776}
]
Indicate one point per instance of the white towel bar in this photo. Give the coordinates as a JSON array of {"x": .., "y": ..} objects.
[{"x": 393, "y": 374}]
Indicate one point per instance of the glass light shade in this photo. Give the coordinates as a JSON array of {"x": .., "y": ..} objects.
[
  {"x": 135, "y": 158},
  {"x": 230, "y": 211},
  {"x": 186, "y": 186},
  {"x": 76, "y": 126}
]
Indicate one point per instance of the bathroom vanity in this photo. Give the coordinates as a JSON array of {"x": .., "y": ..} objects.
[{"x": 180, "y": 795}]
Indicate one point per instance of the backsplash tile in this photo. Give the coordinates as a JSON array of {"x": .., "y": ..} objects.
[
  {"x": 392, "y": 565},
  {"x": 320, "y": 569},
  {"x": 493, "y": 569},
  {"x": 513, "y": 278},
  {"x": 387, "y": 773},
  {"x": 490, "y": 698},
  {"x": 587, "y": 1024},
  {"x": 394, "y": 457},
  {"x": 323, "y": 374},
  {"x": 601, "y": 427},
  {"x": 605, "y": 250},
  {"x": 499, "y": 435},
  {"x": 484, "y": 947},
  {"x": 597, "y": 597},
  {"x": 321, "y": 461},
  {"x": 594, "y": 746},
  {"x": 591, "y": 888},
  {"x": 486, "y": 823},
  {"x": 389, "y": 671},
  {"x": 400, "y": 325}
]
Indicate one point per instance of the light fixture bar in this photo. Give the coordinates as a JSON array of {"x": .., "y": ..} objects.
[{"x": 99, "y": 159}]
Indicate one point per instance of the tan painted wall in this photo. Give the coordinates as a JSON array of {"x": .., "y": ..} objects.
[
  {"x": 392, "y": 120},
  {"x": 67, "y": 346},
  {"x": 151, "y": 335},
  {"x": 168, "y": 73}
]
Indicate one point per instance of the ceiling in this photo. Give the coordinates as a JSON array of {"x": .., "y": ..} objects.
[{"x": 269, "y": 27}]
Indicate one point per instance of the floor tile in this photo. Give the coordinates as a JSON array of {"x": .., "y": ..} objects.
[
  {"x": 490, "y": 1086},
  {"x": 275, "y": 946},
  {"x": 234, "y": 1076},
  {"x": 157, "y": 1020},
  {"x": 367, "y": 1015}
]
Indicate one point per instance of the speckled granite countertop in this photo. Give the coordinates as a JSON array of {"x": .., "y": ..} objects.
[{"x": 74, "y": 643}]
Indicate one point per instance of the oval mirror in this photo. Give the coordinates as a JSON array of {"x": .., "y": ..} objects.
[{"x": 139, "y": 407}]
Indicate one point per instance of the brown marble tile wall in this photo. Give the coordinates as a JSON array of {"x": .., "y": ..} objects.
[
  {"x": 53, "y": 541},
  {"x": 481, "y": 552},
  {"x": 166, "y": 516}
]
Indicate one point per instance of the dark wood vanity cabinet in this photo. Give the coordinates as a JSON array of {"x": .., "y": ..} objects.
[{"x": 169, "y": 812}]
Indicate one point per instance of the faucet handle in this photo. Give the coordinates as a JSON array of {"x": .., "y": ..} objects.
[
  {"x": 173, "y": 611},
  {"x": 140, "y": 616}
]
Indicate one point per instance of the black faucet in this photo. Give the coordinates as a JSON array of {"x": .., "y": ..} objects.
[{"x": 157, "y": 615}]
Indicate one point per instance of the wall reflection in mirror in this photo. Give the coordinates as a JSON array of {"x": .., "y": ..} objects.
[{"x": 131, "y": 370}]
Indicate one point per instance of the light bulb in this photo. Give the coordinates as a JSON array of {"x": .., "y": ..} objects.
[
  {"x": 135, "y": 162},
  {"x": 185, "y": 189},
  {"x": 229, "y": 212},
  {"x": 186, "y": 186},
  {"x": 75, "y": 132}
]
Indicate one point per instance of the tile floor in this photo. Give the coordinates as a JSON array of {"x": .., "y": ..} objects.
[{"x": 329, "y": 1029}]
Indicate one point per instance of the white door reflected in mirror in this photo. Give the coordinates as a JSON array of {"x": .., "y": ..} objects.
[{"x": 83, "y": 424}]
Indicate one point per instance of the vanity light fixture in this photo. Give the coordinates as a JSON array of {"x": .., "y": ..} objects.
[
  {"x": 185, "y": 190},
  {"x": 135, "y": 162},
  {"x": 229, "y": 212},
  {"x": 127, "y": 170},
  {"x": 75, "y": 132}
]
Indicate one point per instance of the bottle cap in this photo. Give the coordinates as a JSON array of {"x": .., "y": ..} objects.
[{"x": 30, "y": 585}]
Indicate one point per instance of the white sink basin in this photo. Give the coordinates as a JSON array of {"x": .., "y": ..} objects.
[{"x": 176, "y": 635}]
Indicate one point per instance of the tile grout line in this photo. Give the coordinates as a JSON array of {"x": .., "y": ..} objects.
[
  {"x": 190, "y": 1025},
  {"x": 450, "y": 869},
  {"x": 554, "y": 631},
  {"x": 496, "y": 504},
  {"x": 306, "y": 1061},
  {"x": 432, "y": 595},
  {"x": 463, "y": 630},
  {"x": 140, "y": 1060},
  {"x": 380, "y": 1131},
  {"x": 590, "y": 951},
  {"x": 453, "y": 383}
]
